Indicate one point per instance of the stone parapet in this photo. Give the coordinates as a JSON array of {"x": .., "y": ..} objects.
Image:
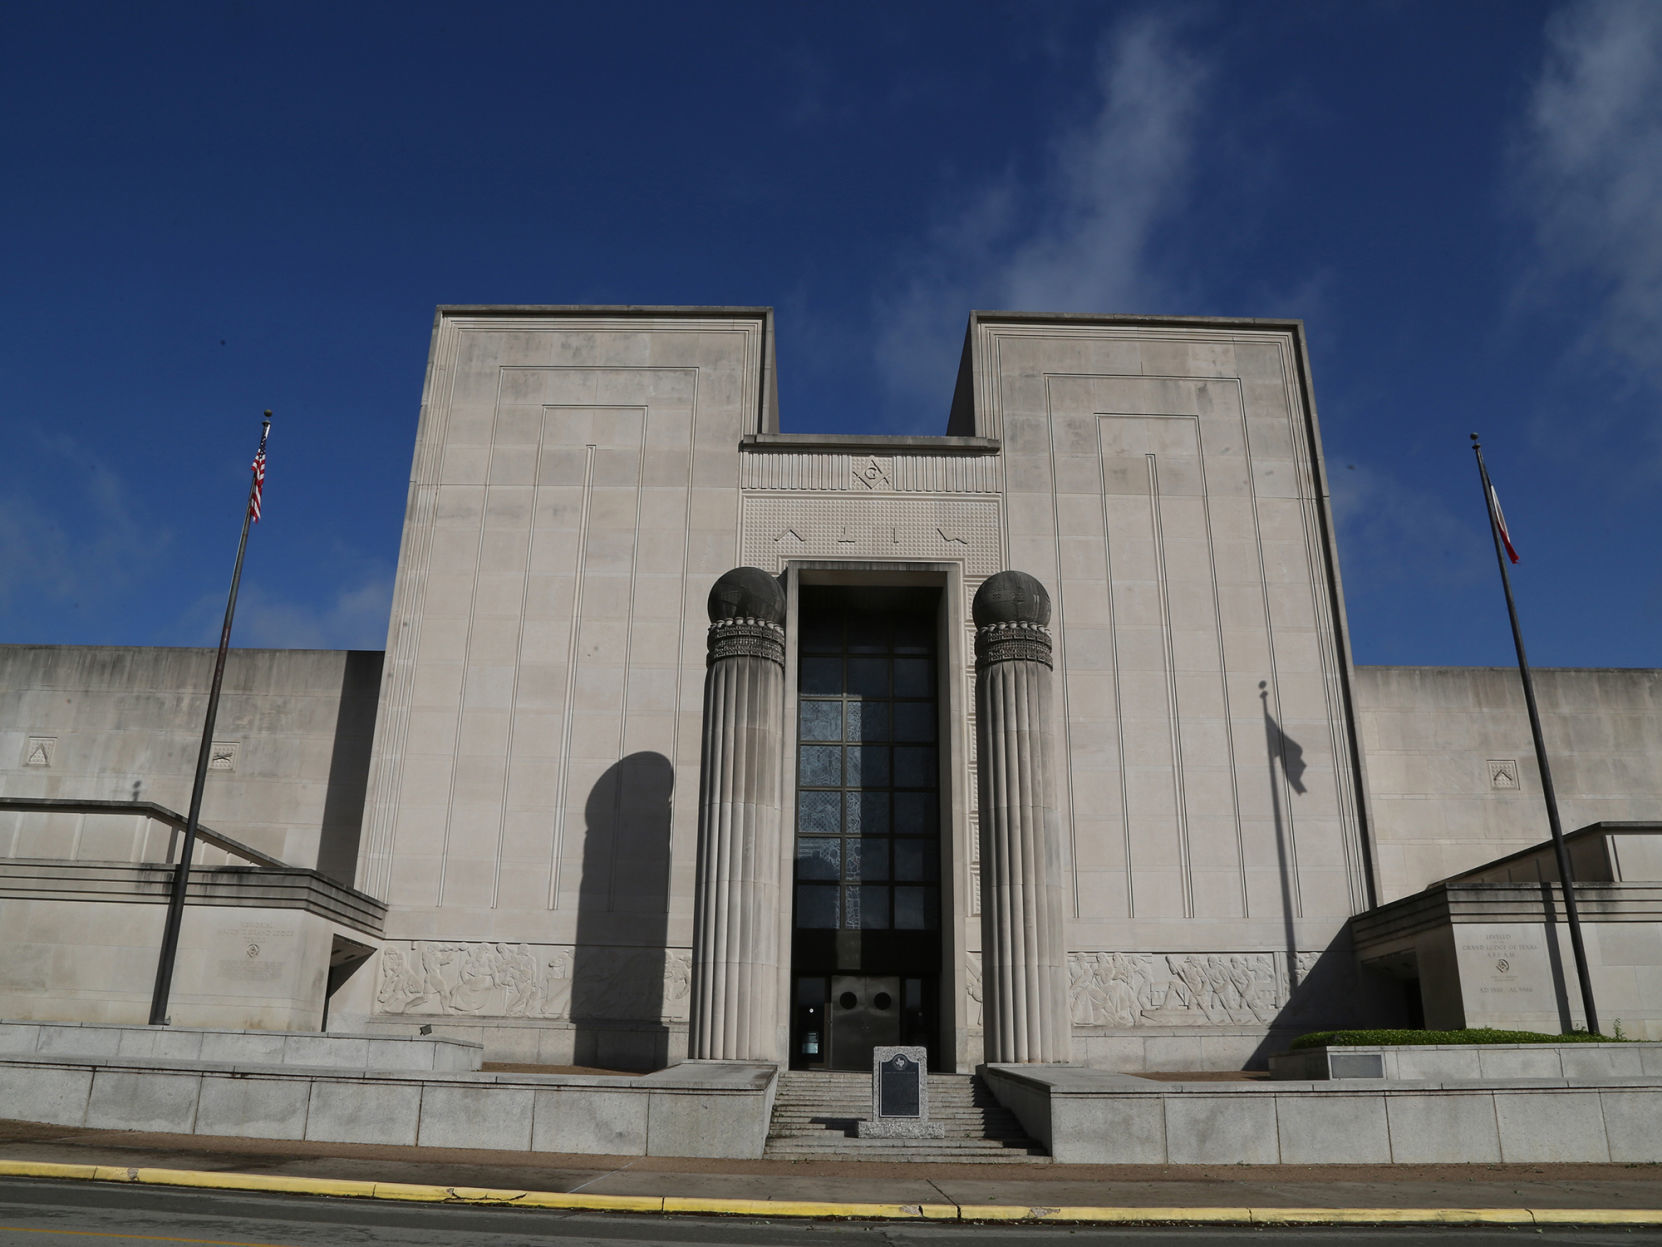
[
  {"x": 1089, "y": 1117},
  {"x": 715, "y": 1109}
]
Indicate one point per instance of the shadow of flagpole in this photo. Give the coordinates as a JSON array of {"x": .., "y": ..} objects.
[{"x": 1291, "y": 755}]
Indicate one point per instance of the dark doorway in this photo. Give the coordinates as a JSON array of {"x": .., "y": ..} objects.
[{"x": 866, "y": 942}]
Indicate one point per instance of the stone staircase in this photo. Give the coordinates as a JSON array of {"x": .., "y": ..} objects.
[{"x": 814, "y": 1116}]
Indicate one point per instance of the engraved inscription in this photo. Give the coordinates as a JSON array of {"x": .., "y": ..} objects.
[
  {"x": 265, "y": 949},
  {"x": 1500, "y": 962},
  {"x": 887, "y": 527},
  {"x": 898, "y": 1090}
]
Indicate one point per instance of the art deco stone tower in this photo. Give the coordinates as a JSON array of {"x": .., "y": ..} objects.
[
  {"x": 1023, "y": 951},
  {"x": 734, "y": 954}
]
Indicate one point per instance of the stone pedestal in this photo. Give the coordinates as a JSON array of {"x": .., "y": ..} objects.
[
  {"x": 1023, "y": 954},
  {"x": 734, "y": 1013},
  {"x": 900, "y": 1096}
]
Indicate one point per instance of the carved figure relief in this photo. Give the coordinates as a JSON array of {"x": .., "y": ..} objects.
[
  {"x": 972, "y": 980},
  {"x": 1177, "y": 989},
  {"x": 530, "y": 981}
]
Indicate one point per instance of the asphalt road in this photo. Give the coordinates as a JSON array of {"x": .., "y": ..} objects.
[{"x": 72, "y": 1214}]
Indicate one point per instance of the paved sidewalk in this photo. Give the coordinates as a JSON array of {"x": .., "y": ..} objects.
[{"x": 954, "y": 1190}]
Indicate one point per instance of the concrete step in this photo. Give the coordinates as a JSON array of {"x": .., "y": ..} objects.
[{"x": 816, "y": 1116}]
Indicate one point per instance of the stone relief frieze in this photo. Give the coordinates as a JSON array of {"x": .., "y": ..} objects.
[
  {"x": 846, "y": 472},
  {"x": 1179, "y": 989},
  {"x": 500, "y": 979}
]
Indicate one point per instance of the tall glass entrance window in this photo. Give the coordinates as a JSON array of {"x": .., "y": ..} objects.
[{"x": 867, "y": 891}]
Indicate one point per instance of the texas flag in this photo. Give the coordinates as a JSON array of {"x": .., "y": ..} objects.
[{"x": 1500, "y": 524}]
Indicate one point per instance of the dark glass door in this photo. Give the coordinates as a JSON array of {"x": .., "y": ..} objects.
[{"x": 867, "y": 894}]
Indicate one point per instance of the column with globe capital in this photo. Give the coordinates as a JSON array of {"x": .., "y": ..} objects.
[
  {"x": 736, "y": 894},
  {"x": 1023, "y": 954}
]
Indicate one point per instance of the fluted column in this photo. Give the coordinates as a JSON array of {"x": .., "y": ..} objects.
[
  {"x": 1023, "y": 954},
  {"x": 736, "y": 902}
]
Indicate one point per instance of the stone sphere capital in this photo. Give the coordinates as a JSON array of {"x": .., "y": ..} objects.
[
  {"x": 1011, "y": 597},
  {"x": 747, "y": 593}
]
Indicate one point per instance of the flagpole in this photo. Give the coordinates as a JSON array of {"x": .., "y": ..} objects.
[
  {"x": 1547, "y": 791},
  {"x": 181, "y": 872}
]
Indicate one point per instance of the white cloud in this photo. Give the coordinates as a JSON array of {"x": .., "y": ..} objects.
[
  {"x": 1074, "y": 234},
  {"x": 89, "y": 543},
  {"x": 1590, "y": 165},
  {"x": 1394, "y": 534},
  {"x": 355, "y": 617}
]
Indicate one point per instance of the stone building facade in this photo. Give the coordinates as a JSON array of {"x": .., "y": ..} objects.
[{"x": 627, "y": 800}]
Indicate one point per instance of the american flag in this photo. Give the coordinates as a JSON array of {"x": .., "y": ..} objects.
[
  {"x": 259, "y": 482},
  {"x": 1500, "y": 524}
]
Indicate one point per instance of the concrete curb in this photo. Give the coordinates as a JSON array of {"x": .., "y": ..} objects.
[{"x": 493, "y": 1197}]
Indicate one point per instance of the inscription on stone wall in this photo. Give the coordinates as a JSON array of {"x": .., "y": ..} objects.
[
  {"x": 262, "y": 953},
  {"x": 780, "y": 528},
  {"x": 1502, "y": 968},
  {"x": 533, "y": 981}
]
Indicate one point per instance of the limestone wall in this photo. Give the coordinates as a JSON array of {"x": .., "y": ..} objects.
[
  {"x": 1164, "y": 480},
  {"x": 119, "y": 723},
  {"x": 1451, "y": 766},
  {"x": 573, "y": 497}
]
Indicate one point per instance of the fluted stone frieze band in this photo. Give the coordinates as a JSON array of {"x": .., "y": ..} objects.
[
  {"x": 746, "y": 638},
  {"x": 1012, "y": 642}
]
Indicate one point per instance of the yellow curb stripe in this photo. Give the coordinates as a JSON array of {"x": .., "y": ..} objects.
[
  {"x": 509, "y": 1198},
  {"x": 1397, "y": 1216},
  {"x": 277, "y": 1183},
  {"x": 1107, "y": 1215},
  {"x": 490, "y": 1196},
  {"x": 594, "y": 1203},
  {"x": 1598, "y": 1216},
  {"x": 797, "y": 1208},
  {"x": 46, "y": 1169}
]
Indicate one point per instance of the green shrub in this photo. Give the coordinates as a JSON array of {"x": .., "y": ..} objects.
[{"x": 1400, "y": 1038}]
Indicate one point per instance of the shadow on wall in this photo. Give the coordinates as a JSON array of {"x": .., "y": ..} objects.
[
  {"x": 619, "y": 966},
  {"x": 1283, "y": 749},
  {"x": 343, "y": 799},
  {"x": 1329, "y": 990}
]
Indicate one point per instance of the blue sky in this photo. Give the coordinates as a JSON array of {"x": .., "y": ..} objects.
[{"x": 208, "y": 210}]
